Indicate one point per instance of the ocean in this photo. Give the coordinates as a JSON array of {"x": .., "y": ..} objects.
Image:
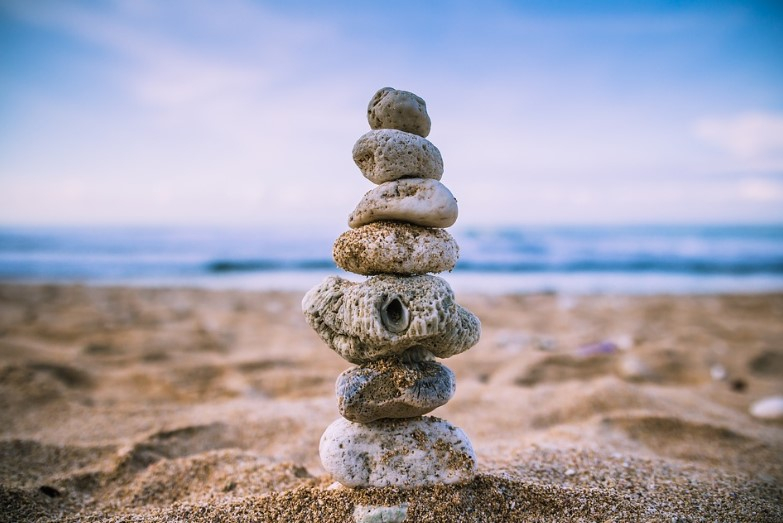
[{"x": 576, "y": 260}]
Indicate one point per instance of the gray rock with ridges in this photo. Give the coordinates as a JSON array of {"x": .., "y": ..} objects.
[
  {"x": 387, "y": 154},
  {"x": 391, "y": 388},
  {"x": 403, "y": 110},
  {"x": 386, "y": 315},
  {"x": 404, "y": 453},
  {"x": 419, "y": 201},
  {"x": 387, "y": 247}
]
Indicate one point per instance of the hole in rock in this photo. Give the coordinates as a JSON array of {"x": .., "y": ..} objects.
[
  {"x": 394, "y": 315},
  {"x": 49, "y": 491}
]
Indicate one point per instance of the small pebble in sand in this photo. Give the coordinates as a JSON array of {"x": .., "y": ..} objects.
[
  {"x": 718, "y": 372},
  {"x": 770, "y": 408},
  {"x": 633, "y": 368},
  {"x": 600, "y": 348},
  {"x": 378, "y": 514}
]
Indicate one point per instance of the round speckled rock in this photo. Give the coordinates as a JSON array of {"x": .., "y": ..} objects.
[
  {"x": 412, "y": 200},
  {"x": 387, "y": 315},
  {"x": 387, "y": 154},
  {"x": 393, "y": 109},
  {"x": 405, "y": 453},
  {"x": 395, "y": 248},
  {"x": 390, "y": 388}
]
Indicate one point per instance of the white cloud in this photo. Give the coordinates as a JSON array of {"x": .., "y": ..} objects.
[
  {"x": 753, "y": 135},
  {"x": 761, "y": 190},
  {"x": 236, "y": 110}
]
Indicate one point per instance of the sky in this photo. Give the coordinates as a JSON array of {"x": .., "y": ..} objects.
[{"x": 189, "y": 112}]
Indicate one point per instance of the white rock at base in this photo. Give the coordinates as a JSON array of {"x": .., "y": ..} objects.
[
  {"x": 405, "y": 453},
  {"x": 770, "y": 408},
  {"x": 419, "y": 201}
]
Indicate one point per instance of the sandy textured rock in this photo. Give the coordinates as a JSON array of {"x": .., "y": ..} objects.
[
  {"x": 391, "y": 388},
  {"x": 401, "y": 453},
  {"x": 386, "y": 315},
  {"x": 395, "y": 248},
  {"x": 418, "y": 201},
  {"x": 393, "y": 109},
  {"x": 387, "y": 154}
]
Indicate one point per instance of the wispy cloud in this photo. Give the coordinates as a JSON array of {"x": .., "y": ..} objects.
[
  {"x": 747, "y": 135},
  {"x": 248, "y": 109}
]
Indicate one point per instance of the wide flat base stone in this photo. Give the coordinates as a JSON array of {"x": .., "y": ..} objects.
[{"x": 404, "y": 453}]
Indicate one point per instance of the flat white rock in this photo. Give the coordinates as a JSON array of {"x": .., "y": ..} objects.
[
  {"x": 406, "y": 453},
  {"x": 387, "y": 247},
  {"x": 388, "y": 154},
  {"x": 419, "y": 201},
  {"x": 390, "y": 108},
  {"x": 770, "y": 408}
]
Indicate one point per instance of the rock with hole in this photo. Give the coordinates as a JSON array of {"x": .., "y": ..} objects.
[{"x": 386, "y": 315}]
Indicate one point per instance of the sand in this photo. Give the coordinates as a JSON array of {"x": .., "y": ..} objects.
[{"x": 140, "y": 405}]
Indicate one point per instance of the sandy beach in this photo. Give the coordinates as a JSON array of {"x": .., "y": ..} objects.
[{"x": 127, "y": 404}]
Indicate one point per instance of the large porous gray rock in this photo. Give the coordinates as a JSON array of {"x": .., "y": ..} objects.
[
  {"x": 387, "y": 247},
  {"x": 419, "y": 201},
  {"x": 394, "y": 388},
  {"x": 387, "y": 154},
  {"x": 403, "y": 110},
  {"x": 387, "y": 315},
  {"x": 405, "y": 453}
]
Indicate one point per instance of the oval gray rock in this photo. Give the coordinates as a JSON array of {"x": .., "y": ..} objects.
[
  {"x": 387, "y": 154},
  {"x": 397, "y": 453},
  {"x": 403, "y": 110},
  {"x": 349, "y": 317},
  {"x": 419, "y": 201},
  {"x": 386, "y": 247},
  {"x": 390, "y": 388}
]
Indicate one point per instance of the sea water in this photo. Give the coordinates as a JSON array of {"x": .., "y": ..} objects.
[{"x": 580, "y": 259}]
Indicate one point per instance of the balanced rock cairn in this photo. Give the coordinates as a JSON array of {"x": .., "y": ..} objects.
[{"x": 394, "y": 324}]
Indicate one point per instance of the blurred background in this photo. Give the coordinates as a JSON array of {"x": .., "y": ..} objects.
[{"x": 593, "y": 147}]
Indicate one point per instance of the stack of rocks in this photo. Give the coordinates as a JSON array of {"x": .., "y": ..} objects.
[{"x": 394, "y": 324}]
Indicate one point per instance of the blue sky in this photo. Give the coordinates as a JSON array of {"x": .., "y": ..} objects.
[{"x": 245, "y": 112}]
